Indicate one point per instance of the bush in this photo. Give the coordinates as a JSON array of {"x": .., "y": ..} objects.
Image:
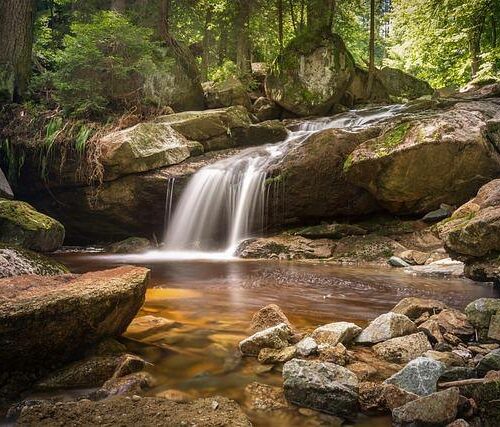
[{"x": 105, "y": 65}]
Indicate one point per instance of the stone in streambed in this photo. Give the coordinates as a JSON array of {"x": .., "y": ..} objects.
[
  {"x": 268, "y": 316},
  {"x": 130, "y": 246},
  {"x": 131, "y": 384},
  {"x": 386, "y": 326},
  {"x": 403, "y": 349},
  {"x": 414, "y": 307},
  {"x": 269, "y": 356},
  {"x": 263, "y": 397},
  {"x": 275, "y": 337},
  {"x": 480, "y": 313},
  {"x": 143, "y": 326},
  {"x": 490, "y": 362},
  {"x": 395, "y": 261},
  {"x": 335, "y": 333},
  {"x": 307, "y": 347}
]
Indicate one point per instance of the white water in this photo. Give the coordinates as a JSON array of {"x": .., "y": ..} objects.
[{"x": 225, "y": 203}]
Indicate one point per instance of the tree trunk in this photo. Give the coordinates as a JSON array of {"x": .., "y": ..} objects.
[
  {"x": 207, "y": 42},
  {"x": 119, "y": 5},
  {"x": 475, "y": 41},
  {"x": 16, "y": 35},
  {"x": 164, "y": 20},
  {"x": 280, "y": 24},
  {"x": 292, "y": 15},
  {"x": 243, "y": 37},
  {"x": 371, "y": 64},
  {"x": 493, "y": 30},
  {"x": 319, "y": 15}
]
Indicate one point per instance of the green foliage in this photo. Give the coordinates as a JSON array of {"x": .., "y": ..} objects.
[{"x": 225, "y": 72}]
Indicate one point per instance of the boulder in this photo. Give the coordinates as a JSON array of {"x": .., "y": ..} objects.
[
  {"x": 414, "y": 307},
  {"x": 141, "y": 148},
  {"x": 420, "y": 376},
  {"x": 386, "y": 326},
  {"x": 395, "y": 261},
  {"x": 414, "y": 257},
  {"x": 21, "y": 224},
  {"x": 227, "y": 93},
  {"x": 321, "y": 386},
  {"x": 132, "y": 245},
  {"x": 403, "y": 85},
  {"x": 47, "y": 320},
  {"x": 307, "y": 347},
  {"x": 480, "y": 313},
  {"x": 263, "y": 397},
  {"x": 357, "y": 91},
  {"x": 490, "y": 362},
  {"x": 265, "y": 109},
  {"x": 484, "y": 270},
  {"x": 270, "y": 356},
  {"x": 394, "y": 397},
  {"x": 146, "y": 411},
  {"x": 331, "y": 231},
  {"x": 5, "y": 190},
  {"x": 268, "y": 316},
  {"x": 403, "y": 349},
  {"x": 444, "y": 211},
  {"x": 447, "y": 357},
  {"x": 274, "y": 337},
  {"x": 15, "y": 261},
  {"x": 453, "y": 322},
  {"x": 335, "y": 333},
  {"x": 486, "y": 396},
  {"x": 418, "y": 164},
  {"x": 144, "y": 326},
  {"x": 311, "y": 74},
  {"x": 437, "y": 409}
]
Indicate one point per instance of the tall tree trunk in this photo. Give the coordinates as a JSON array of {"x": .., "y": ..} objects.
[
  {"x": 16, "y": 36},
  {"x": 475, "y": 48},
  {"x": 371, "y": 64},
  {"x": 242, "y": 30},
  {"x": 207, "y": 42},
  {"x": 119, "y": 5},
  {"x": 319, "y": 15},
  {"x": 292, "y": 15},
  {"x": 164, "y": 21},
  {"x": 280, "y": 24},
  {"x": 493, "y": 30}
]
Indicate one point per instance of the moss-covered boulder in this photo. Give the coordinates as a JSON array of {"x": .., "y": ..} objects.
[
  {"x": 403, "y": 85},
  {"x": 418, "y": 164},
  {"x": 130, "y": 246},
  {"x": 227, "y": 93},
  {"x": 311, "y": 74},
  {"x": 21, "y": 224},
  {"x": 15, "y": 261},
  {"x": 141, "y": 148},
  {"x": 357, "y": 92}
]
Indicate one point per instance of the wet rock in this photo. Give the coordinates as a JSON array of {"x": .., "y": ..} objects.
[
  {"x": 335, "y": 333},
  {"x": 307, "y": 347},
  {"x": 395, "y": 261},
  {"x": 5, "y": 190},
  {"x": 275, "y": 337},
  {"x": 436, "y": 409},
  {"x": 147, "y": 412},
  {"x": 415, "y": 257},
  {"x": 403, "y": 349},
  {"x": 175, "y": 395},
  {"x": 143, "y": 326},
  {"x": 414, "y": 307},
  {"x": 268, "y": 132},
  {"x": 21, "y": 224},
  {"x": 45, "y": 320},
  {"x": 271, "y": 356},
  {"x": 322, "y": 386},
  {"x": 444, "y": 267},
  {"x": 386, "y": 326},
  {"x": 131, "y": 384},
  {"x": 419, "y": 376},
  {"x": 490, "y": 362},
  {"x": 444, "y": 211},
  {"x": 447, "y": 357},
  {"x": 263, "y": 397},
  {"x": 130, "y": 246},
  {"x": 480, "y": 312},
  {"x": 331, "y": 231},
  {"x": 107, "y": 347},
  {"x": 268, "y": 316}
]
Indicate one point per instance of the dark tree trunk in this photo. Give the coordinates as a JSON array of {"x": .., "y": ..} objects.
[
  {"x": 371, "y": 63},
  {"x": 242, "y": 30},
  {"x": 16, "y": 43},
  {"x": 319, "y": 15},
  {"x": 119, "y": 5},
  {"x": 164, "y": 21},
  {"x": 493, "y": 30},
  {"x": 207, "y": 43},
  {"x": 280, "y": 24},
  {"x": 292, "y": 15}
]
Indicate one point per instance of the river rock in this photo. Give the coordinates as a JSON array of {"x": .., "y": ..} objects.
[
  {"x": 268, "y": 316},
  {"x": 5, "y": 190},
  {"x": 263, "y": 397},
  {"x": 403, "y": 85},
  {"x": 490, "y": 362},
  {"x": 130, "y": 246},
  {"x": 335, "y": 333},
  {"x": 146, "y": 411},
  {"x": 486, "y": 396},
  {"x": 386, "y": 326},
  {"x": 21, "y": 224},
  {"x": 331, "y": 231},
  {"x": 415, "y": 257},
  {"x": 322, "y": 386},
  {"x": 453, "y": 322},
  {"x": 480, "y": 313},
  {"x": 444, "y": 211},
  {"x": 265, "y": 109},
  {"x": 357, "y": 90},
  {"x": 227, "y": 93},
  {"x": 447, "y": 357},
  {"x": 436, "y": 409},
  {"x": 395, "y": 261},
  {"x": 131, "y": 384},
  {"x": 403, "y": 349},
  {"x": 419, "y": 376},
  {"x": 309, "y": 78},
  {"x": 414, "y": 307},
  {"x": 486, "y": 269},
  {"x": 307, "y": 347},
  {"x": 269, "y": 356},
  {"x": 144, "y": 326},
  {"x": 274, "y": 337},
  {"x": 417, "y": 165},
  {"x": 46, "y": 320}
]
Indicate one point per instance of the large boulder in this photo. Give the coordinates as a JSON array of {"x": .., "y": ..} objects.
[
  {"x": 357, "y": 91},
  {"x": 311, "y": 74},
  {"x": 335, "y": 333},
  {"x": 21, "y": 224},
  {"x": 275, "y": 337},
  {"x": 227, "y": 93},
  {"x": 418, "y": 164},
  {"x": 403, "y": 85},
  {"x": 414, "y": 307},
  {"x": 47, "y": 320},
  {"x": 386, "y": 326},
  {"x": 403, "y": 349},
  {"x": 5, "y": 190}
]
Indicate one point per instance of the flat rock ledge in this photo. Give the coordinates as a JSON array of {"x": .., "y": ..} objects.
[{"x": 49, "y": 320}]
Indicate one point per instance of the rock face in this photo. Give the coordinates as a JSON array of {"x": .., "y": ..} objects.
[
  {"x": 403, "y": 85},
  {"x": 311, "y": 75},
  {"x": 147, "y": 412},
  {"x": 420, "y": 376},
  {"x": 227, "y": 93},
  {"x": 5, "y": 190},
  {"x": 47, "y": 320},
  {"x": 321, "y": 386},
  {"x": 22, "y": 225},
  {"x": 335, "y": 333},
  {"x": 403, "y": 349},
  {"x": 275, "y": 337},
  {"x": 417, "y": 165},
  {"x": 386, "y": 326}
]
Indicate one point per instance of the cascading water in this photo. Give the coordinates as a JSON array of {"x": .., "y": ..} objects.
[{"x": 225, "y": 203}]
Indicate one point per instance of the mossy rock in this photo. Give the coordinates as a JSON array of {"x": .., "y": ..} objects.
[{"x": 21, "y": 224}]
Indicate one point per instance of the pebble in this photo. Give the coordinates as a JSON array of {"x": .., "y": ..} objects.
[{"x": 136, "y": 398}]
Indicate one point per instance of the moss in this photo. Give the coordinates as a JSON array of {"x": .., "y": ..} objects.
[
  {"x": 348, "y": 163},
  {"x": 274, "y": 180},
  {"x": 392, "y": 138},
  {"x": 23, "y": 215},
  {"x": 24, "y": 261}
]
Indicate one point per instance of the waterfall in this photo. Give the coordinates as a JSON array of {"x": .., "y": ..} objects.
[{"x": 225, "y": 203}]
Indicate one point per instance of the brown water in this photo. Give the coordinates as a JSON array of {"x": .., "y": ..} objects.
[{"x": 214, "y": 301}]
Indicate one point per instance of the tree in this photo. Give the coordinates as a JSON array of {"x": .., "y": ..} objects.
[
  {"x": 371, "y": 63},
  {"x": 16, "y": 35},
  {"x": 320, "y": 14},
  {"x": 241, "y": 27}
]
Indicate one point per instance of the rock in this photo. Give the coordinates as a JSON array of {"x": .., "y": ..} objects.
[
  {"x": 453, "y": 322},
  {"x": 459, "y": 423},
  {"x": 337, "y": 354},
  {"x": 268, "y": 316},
  {"x": 265, "y": 109},
  {"x": 331, "y": 231},
  {"x": 483, "y": 270},
  {"x": 127, "y": 385},
  {"x": 458, "y": 373},
  {"x": 107, "y": 347},
  {"x": 5, "y": 190},
  {"x": 370, "y": 397},
  {"x": 480, "y": 313},
  {"x": 420, "y": 376},
  {"x": 414, "y": 257},
  {"x": 144, "y": 326},
  {"x": 268, "y": 132},
  {"x": 486, "y": 395},
  {"x": 437, "y": 409},
  {"x": 444, "y": 211},
  {"x": 130, "y": 246},
  {"x": 46, "y": 320},
  {"x": 490, "y": 362},
  {"x": 175, "y": 395},
  {"x": 269, "y": 356},
  {"x": 445, "y": 267},
  {"x": 391, "y": 166},
  {"x": 141, "y": 148},
  {"x": 403, "y": 85},
  {"x": 275, "y": 337},
  {"x": 263, "y": 397},
  {"x": 21, "y": 224},
  {"x": 322, "y": 386},
  {"x": 371, "y": 248},
  {"x": 227, "y": 93},
  {"x": 494, "y": 329},
  {"x": 394, "y": 397},
  {"x": 386, "y": 326},
  {"x": 310, "y": 77},
  {"x": 15, "y": 261},
  {"x": 92, "y": 372},
  {"x": 335, "y": 333},
  {"x": 395, "y": 261},
  {"x": 147, "y": 412},
  {"x": 413, "y": 307},
  {"x": 432, "y": 330},
  {"x": 357, "y": 90},
  {"x": 307, "y": 347},
  {"x": 447, "y": 357},
  {"x": 403, "y": 349}
]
